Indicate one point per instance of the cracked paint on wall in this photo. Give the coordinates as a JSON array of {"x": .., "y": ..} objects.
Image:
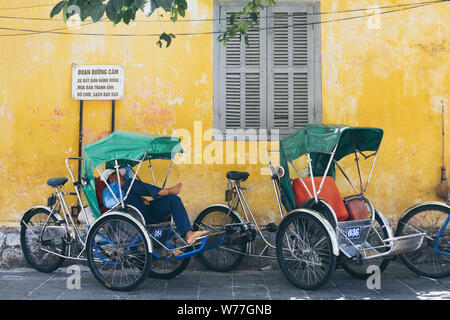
[{"x": 395, "y": 77}]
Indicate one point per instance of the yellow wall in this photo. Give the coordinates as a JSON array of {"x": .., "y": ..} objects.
[{"x": 394, "y": 77}]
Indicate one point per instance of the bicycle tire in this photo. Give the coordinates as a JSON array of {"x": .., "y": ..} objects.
[
  {"x": 301, "y": 247},
  {"x": 48, "y": 262},
  {"x": 427, "y": 249},
  {"x": 118, "y": 252},
  {"x": 211, "y": 258}
]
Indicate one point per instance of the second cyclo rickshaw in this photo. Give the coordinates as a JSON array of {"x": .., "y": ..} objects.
[
  {"x": 119, "y": 247},
  {"x": 321, "y": 229}
]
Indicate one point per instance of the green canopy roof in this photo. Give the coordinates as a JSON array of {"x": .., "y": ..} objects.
[
  {"x": 323, "y": 138},
  {"x": 319, "y": 140},
  {"x": 128, "y": 147}
]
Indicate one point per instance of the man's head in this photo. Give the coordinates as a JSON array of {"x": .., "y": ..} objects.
[{"x": 114, "y": 178}]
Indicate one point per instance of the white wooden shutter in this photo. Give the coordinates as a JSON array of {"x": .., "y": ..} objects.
[
  {"x": 275, "y": 83},
  {"x": 290, "y": 70},
  {"x": 242, "y": 78}
]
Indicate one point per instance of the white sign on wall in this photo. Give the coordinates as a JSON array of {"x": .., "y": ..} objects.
[{"x": 97, "y": 82}]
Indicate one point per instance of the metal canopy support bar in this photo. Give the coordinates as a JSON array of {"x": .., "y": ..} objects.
[
  {"x": 167, "y": 175},
  {"x": 346, "y": 177},
  {"x": 371, "y": 170}
]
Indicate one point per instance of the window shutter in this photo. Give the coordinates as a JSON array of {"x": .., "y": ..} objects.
[
  {"x": 242, "y": 75},
  {"x": 290, "y": 78},
  {"x": 275, "y": 82}
]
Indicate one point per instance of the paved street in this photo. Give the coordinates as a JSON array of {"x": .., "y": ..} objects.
[{"x": 397, "y": 282}]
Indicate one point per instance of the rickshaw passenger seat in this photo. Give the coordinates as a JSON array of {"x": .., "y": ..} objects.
[
  {"x": 330, "y": 193},
  {"x": 99, "y": 187}
]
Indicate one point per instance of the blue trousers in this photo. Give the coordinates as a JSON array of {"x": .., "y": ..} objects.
[{"x": 160, "y": 207}]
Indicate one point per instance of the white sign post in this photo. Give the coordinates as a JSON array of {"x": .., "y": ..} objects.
[{"x": 97, "y": 82}]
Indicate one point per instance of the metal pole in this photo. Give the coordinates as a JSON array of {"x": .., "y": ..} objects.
[
  {"x": 113, "y": 115},
  {"x": 80, "y": 139}
]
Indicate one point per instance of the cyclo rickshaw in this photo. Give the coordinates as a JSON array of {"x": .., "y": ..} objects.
[
  {"x": 119, "y": 247},
  {"x": 323, "y": 230}
]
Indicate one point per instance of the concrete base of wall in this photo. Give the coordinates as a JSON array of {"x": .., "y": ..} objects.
[{"x": 11, "y": 255}]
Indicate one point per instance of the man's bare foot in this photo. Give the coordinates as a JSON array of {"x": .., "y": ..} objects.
[
  {"x": 172, "y": 190},
  {"x": 175, "y": 189},
  {"x": 191, "y": 236}
]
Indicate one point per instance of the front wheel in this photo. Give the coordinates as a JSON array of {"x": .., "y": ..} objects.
[
  {"x": 44, "y": 254},
  {"x": 305, "y": 251},
  {"x": 432, "y": 259},
  {"x": 117, "y": 253}
]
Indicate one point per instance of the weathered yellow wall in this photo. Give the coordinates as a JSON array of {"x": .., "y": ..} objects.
[{"x": 394, "y": 77}]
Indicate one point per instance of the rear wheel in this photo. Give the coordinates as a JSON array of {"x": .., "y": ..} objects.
[
  {"x": 42, "y": 255},
  {"x": 230, "y": 254},
  {"x": 427, "y": 261},
  {"x": 117, "y": 253},
  {"x": 167, "y": 267},
  {"x": 304, "y": 251}
]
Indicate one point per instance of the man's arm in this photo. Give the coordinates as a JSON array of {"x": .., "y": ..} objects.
[{"x": 142, "y": 189}]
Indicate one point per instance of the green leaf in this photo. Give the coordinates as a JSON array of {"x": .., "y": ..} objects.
[
  {"x": 232, "y": 18},
  {"x": 111, "y": 12},
  {"x": 174, "y": 14},
  {"x": 165, "y": 37},
  {"x": 118, "y": 5},
  {"x": 65, "y": 12},
  {"x": 128, "y": 15},
  {"x": 57, "y": 9},
  {"x": 165, "y": 4},
  {"x": 97, "y": 12},
  {"x": 181, "y": 11}
]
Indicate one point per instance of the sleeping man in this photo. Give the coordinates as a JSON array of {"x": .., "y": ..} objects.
[{"x": 166, "y": 201}]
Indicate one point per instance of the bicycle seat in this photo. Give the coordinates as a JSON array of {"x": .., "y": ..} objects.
[
  {"x": 237, "y": 175},
  {"x": 57, "y": 182}
]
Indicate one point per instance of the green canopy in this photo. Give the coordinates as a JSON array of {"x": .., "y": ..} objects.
[
  {"x": 319, "y": 140},
  {"x": 128, "y": 148}
]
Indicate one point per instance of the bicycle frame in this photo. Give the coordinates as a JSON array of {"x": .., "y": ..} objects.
[
  {"x": 239, "y": 198},
  {"x": 436, "y": 241}
]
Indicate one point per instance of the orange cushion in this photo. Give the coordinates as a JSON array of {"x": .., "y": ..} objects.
[{"x": 330, "y": 193}]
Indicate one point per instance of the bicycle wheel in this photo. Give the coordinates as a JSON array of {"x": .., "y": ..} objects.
[
  {"x": 164, "y": 267},
  {"x": 358, "y": 270},
  {"x": 304, "y": 251},
  {"x": 230, "y": 254},
  {"x": 44, "y": 256},
  {"x": 117, "y": 253},
  {"x": 426, "y": 261}
]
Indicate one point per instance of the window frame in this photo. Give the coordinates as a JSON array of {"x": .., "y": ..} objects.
[{"x": 219, "y": 63}]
